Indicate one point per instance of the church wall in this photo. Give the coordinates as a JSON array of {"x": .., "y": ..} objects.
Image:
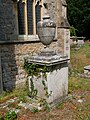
[
  {"x": 8, "y": 27},
  {"x": 12, "y": 58}
]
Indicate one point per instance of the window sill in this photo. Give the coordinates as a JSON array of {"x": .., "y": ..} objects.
[
  {"x": 28, "y": 38},
  {"x": 22, "y": 39}
]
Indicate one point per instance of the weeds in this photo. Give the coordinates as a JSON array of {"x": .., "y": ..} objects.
[
  {"x": 60, "y": 106},
  {"x": 21, "y": 93},
  {"x": 10, "y": 115},
  {"x": 35, "y": 110}
]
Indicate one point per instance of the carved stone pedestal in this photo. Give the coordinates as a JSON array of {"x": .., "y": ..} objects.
[{"x": 56, "y": 79}]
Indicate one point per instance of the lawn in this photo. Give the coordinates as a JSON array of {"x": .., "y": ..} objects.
[{"x": 76, "y": 107}]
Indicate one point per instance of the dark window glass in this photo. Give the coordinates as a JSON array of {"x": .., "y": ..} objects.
[
  {"x": 38, "y": 14},
  {"x": 21, "y": 24},
  {"x": 30, "y": 16}
]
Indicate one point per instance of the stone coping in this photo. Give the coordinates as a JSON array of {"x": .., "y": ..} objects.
[{"x": 48, "y": 61}]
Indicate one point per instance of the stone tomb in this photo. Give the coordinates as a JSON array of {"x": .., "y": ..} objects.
[{"x": 57, "y": 77}]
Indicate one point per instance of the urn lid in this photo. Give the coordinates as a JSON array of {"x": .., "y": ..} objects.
[{"x": 46, "y": 22}]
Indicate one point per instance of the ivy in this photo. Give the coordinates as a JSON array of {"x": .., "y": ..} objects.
[
  {"x": 36, "y": 70},
  {"x": 32, "y": 92},
  {"x": 46, "y": 89},
  {"x": 10, "y": 115}
]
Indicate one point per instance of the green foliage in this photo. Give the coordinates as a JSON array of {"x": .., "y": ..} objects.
[
  {"x": 10, "y": 115},
  {"x": 34, "y": 110},
  {"x": 60, "y": 106},
  {"x": 32, "y": 92},
  {"x": 72, "y": 31},
  {"x": 34, "y": 69},
  {"x": 18, "y": 107},
  {"x": 79, "y": 17},
  {"x": 46, "y": 106},
  {"x": 46, "y": 89},
  {"x": 22, "y": 98}
]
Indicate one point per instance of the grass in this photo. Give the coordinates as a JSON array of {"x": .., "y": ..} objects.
[
  {"x": 21, "y": 93},
  {"x": 76, "y": 83},
  {"x": 60, "y": 105},
  {"x": 79, "y": 59}
]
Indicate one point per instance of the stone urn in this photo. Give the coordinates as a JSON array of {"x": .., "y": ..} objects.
[{"x": 46, "y": 30}]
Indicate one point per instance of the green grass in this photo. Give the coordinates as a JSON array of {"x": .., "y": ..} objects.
[
  {"x": 76, "y": 83},
  {"x": 60, "y": 105},
  {"x": 21, "y": 93},
  {"x": 79, "y": 59}
]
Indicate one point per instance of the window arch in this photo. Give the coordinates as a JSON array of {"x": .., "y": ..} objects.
[
  {"x": 29, "y": 13},
  {"x": 30, "y": 16},
  {"x": 38, "y": 14},
  {"x": 21, "y": 18}
]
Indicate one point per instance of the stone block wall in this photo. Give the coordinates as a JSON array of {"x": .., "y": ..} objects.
[
  {"x": 7, "y": 21},
  {"x": 12, "y": 59}
]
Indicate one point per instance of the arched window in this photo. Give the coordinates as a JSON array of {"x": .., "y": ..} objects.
[
  {"x": 21, "y": 23},
  {"x": 30, "y": 16},
  {"x": 29, "y": 13},
  {"x": 38, "y": 14}
]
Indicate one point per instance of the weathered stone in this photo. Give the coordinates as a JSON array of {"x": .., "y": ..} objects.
[
  {"x": 7, "y": 20},
  {"x": 56, "y": 79}
]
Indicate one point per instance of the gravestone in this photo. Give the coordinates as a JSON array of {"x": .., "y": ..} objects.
[{"x": 56, "y": 79}]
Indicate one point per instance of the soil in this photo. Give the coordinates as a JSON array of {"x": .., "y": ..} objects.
[{"x": 77, "y": 107}]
